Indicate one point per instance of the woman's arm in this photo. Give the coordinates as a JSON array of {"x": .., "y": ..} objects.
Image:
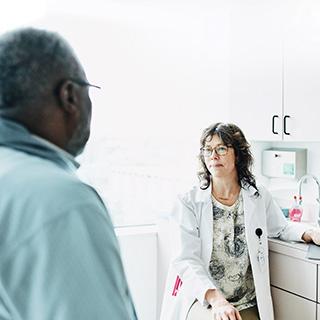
[{"x": 279, "y": 226}]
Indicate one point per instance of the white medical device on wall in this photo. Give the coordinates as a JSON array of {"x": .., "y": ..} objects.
[{"x": 284, "y": 163}]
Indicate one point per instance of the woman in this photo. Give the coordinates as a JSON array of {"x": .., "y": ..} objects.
[{"x": 221, "y": 271}]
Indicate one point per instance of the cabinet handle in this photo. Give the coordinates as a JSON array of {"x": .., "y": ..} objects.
[
  {"x": 273, "y": 131},
  {"x": 285, "y": 125}
]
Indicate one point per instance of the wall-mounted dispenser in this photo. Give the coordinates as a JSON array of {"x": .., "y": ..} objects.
[{"x": 284, "y": 163}]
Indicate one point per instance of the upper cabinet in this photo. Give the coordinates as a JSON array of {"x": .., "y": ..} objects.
[
  {"x": 301, "y": 70},
  {"x": 255, "y": 75},
  {"x": 274, "y": 76}
]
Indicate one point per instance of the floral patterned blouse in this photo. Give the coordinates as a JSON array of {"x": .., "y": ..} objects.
[{"x": 230, "y": 266}]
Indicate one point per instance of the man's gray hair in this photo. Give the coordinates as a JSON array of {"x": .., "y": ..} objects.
[{"x": 32, "y": 61}]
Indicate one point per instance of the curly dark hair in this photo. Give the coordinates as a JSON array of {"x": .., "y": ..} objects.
[{"x": 231, "y": 135}]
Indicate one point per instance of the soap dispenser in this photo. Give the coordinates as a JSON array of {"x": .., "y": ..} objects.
[{"x": 295, "y": 213}]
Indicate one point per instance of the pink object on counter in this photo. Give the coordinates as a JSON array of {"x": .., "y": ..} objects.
[{"x": 295, "y": 213}]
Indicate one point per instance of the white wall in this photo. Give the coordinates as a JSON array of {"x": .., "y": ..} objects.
[
  {"x": 157, "y": 63},
  {"x": 17, "y": 13}
]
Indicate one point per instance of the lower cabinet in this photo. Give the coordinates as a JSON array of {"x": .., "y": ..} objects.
[
  {"x": 295, "y": 284},
  {"x": 288, "y": 306},
  {"x": 293, "y": 275}
]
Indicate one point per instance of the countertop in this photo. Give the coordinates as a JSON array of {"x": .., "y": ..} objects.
[{"x": 293, "y": 249}]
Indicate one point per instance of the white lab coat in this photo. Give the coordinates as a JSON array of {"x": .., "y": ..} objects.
[{"x": 193, "y": 223}]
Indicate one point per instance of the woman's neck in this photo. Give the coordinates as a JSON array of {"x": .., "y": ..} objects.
[{"x": 225, "y": 190}]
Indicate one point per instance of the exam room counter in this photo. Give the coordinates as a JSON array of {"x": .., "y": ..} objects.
[{"x": 295, "y": 283}]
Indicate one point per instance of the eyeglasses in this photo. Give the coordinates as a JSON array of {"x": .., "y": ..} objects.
[
  {"x": 83, "y": 83},
  {"x": 77, "y": 81},
  {"x": 219, "y": 150}
]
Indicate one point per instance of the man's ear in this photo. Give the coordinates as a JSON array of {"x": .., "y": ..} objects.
[{"x": 67, "y": 96}]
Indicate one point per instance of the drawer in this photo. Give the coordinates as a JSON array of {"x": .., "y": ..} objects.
[
  {"x": 318, "y": 285},
  {"x": 294, "y": 275},
  {"x": 288, "y": 306}
]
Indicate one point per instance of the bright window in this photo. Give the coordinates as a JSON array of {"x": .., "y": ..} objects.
[{"x": 163, "y": 80}]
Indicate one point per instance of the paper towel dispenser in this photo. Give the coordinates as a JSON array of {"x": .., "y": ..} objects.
[{"x": 284, "y": 163}]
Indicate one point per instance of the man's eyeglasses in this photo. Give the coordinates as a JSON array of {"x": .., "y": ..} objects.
[
  {"x": 219, "y": 150},
  {"x": 77, "y": 81},
  {"x": 83, "y": 83}
]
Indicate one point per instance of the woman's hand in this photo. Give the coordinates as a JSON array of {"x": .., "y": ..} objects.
[
  {"x": 220, "y": 307},
  {"x": 223, "y": 310},
  {"x": 312, "y": 235}
]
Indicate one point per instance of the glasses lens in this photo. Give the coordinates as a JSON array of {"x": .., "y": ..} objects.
[
  {"x": 221, "y": 150},
  {"x": 206, "y": 152}
]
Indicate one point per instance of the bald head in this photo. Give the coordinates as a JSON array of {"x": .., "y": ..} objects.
[{"x": 32, "y": 62}]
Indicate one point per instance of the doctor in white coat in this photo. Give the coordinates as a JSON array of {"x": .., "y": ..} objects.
[{"x": 221, "y": 270}]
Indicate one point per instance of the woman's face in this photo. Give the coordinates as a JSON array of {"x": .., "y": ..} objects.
[{"x": 222, "y": 162}]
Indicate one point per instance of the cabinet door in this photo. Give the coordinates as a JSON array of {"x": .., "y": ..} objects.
[
  {"x": 302, "y": 70},
  {"x": 288, "y": 306},
  {"x": 318, "y": 284},
  {"x": 318, "y": 311},
  {"x": 256, "y": 69},
  {"x": 293, "y": 275}
]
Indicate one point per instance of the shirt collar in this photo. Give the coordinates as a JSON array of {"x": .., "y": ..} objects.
[{"x": 69, "y": 158}]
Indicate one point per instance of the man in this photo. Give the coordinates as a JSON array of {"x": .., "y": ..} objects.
[{"x": 59, "y": 257}]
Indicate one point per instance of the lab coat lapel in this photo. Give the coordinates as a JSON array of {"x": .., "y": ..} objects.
[
  {"x": 206, "y": 225},
  {"x": 254, "y": 213},
  {"x": 252, "y": 218},
  {"x": 249, "y": 205}
]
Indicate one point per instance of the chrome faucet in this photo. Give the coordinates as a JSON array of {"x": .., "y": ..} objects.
[{"x": 302, "y": 179}]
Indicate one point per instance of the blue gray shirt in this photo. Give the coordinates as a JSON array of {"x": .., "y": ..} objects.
[{"x": 59, "y": 257}]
